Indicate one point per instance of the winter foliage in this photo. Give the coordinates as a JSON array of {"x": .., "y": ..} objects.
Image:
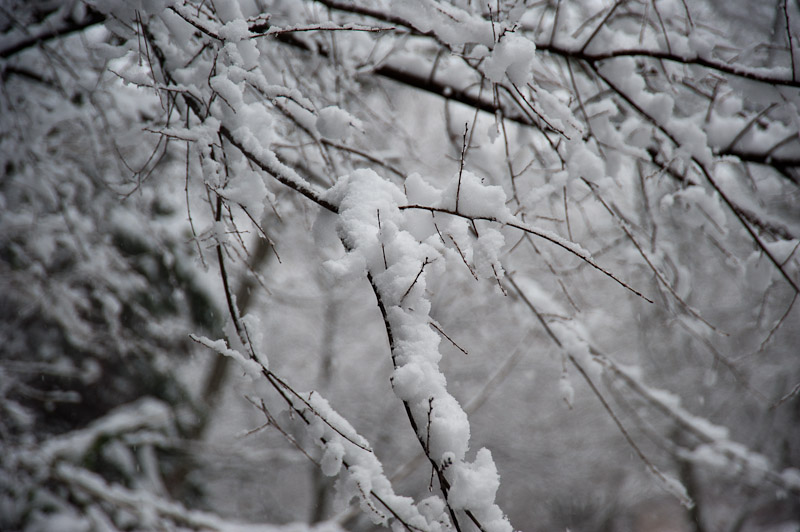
[{"x": 425, "y": 265}]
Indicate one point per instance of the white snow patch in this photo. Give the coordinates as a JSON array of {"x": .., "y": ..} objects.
[
  {"x": 335, "y": 123},
  {"x": 512, "y": 56}
]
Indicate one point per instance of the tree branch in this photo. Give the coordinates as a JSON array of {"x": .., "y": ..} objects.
[{"x": 56, "y": 25}]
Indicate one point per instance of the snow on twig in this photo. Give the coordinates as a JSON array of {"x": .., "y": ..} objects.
[
  {"x": 439, "y": 421},
  {"x": 571, "y": 247}
]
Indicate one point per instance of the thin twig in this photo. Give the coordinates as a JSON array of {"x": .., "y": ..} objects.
[
  {"x": 749, "y": 125},
  {"x": 624, "y": 226},
  {"x": 566, "y": 214},
  {"x": 571, "y": 247},
  {"x": 274, "y": 32},
  {"x": 439, "y": 329},
  {"x": 600, "y": 26},
  {"x": 422, "y": 268},
  {"x": 650, "y": 466},
  {"x": 271, "y": 421},
  {"x": 461, "y": 254},
  {"x": 790, "y": 395},
  {"x": 461, "y": 164},
  {"x": 380, "y": 237},
  {"x": 736, "y": 211},
  {"x": 789, "y": 36}
]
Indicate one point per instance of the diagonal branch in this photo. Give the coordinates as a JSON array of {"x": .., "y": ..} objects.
[
  {"x": 56, "y": 25},
  {"x": 731, "y": 205},
  {"x": 553, "y": 238}
]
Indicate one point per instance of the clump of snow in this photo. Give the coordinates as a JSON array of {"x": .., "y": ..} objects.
[
  {"x": 512, "y": 56},
  {"x": 449, "y": 428},
  {"x": 559, "y": 114},
  {"x": 345, "y": 269},
  {"x": 235, "y": 30},
  {"x": 474, "y": 488},
  {"x": 361, "y": 196},
  {"x": 696, "y": 207},
  {"x": 250, "y": 367},
  {"x": 708, "y": 456},
  {"x": 420, "y": 192},
  {"x": 433, "y": 509},
  {"x": 451, "y": 24},
  {"x": 373, "y": 227},
  {"x": 335, "y": 123},
  {"x": 227, "y": 89},
  {"x": 178, "y": 27},
  {"x": 332, "y": 459},
  {"x": 325, "y": 417},
  {"x": 474, "y": 483},
  {"x": 248, "y": 51},
  {"x": 693, "y": 140},
  {"x": 584, "y": 162},
  {"x": 791, "y": 477},
  {"x": 247, "y": 189},
  {"x": 486, "y": 253},
  {"x": 347, "y": 455},
  {"x": 468, "y": 195}
]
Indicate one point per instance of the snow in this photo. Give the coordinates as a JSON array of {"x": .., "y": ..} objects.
[
  {"x": 512, "y": 56},
  {"x": 147, "y": 508},
  {"x": 792, "y": 477},
  {"x": 559, "y": 114},
  {"x": 234, "y": 31},
  {"x": 68, "y": 521},
  {"x": 363, "y": 475},
  {"x": 449, "y": 23},
  {"x": 144, "y": 413},
  {"x": 385, "y": 236},
  {"x": 335, "y": 123},
  {"x": 584, "y": 162},
  {"x": 474, "y": 488},
  {"x": 252, "y": 368},
  {"x": 229, "y": 91},
  {"x": 347, "y": 268},
  {"x": 332, "y": 459},
  {"x": 248, "y": 189},
  {"x": 709, "y": 211},
  {"x": 420, "y": 192},
  {"x": 399, "y": 265},
  {"x": 127, "y": 10},
  {"x": 783, "y": 249},
  {"x": 325, "y": 418},
  {"x": 474, "y": 483},
  {"x": 467, "y": 194},
  {"x": 178, "y": 27},
  {"x": 449, "y": 427},
  {"x": 486, "y": 253},
  {"x": 228, "y": 10}
]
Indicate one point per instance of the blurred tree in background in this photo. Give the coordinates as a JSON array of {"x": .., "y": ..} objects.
[{"x": 424, "y": 264}]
